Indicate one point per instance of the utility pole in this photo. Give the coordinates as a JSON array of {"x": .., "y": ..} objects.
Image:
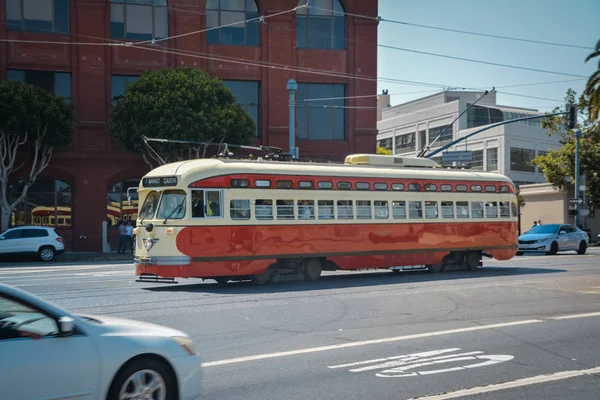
[
  {"x": 292, "y": 87},
  {"x": 572, "y": 124}
]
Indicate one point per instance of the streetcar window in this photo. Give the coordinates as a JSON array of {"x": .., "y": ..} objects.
[
  {"x": 285, "y": 209},
  {"x": 305, "y": 184},
  {"x": 414, "y": 187},
  {"x": 513, "y": 208},
  {"x": 325, "y": 209},
  {"x": 150, "y": 205},
  {"x": 491, "y": 209},
  {"x": 415, "y": 210},
  {"x": 263, "y": 209},
  {"x": 462, "y": 209},
  {"x": 431, "y": 209},
  {"x": 239, "y": 209},
  {"x": 446, "y": 188},
  {"x": 399, "y": 209},
  {"x": 306, "y": 209},
  {"x": 430, "y": 187},
  {"x": 490, "y": 188},
  {"x": 363, "y": 186},
  {"x": 172, "y": 205},
  {"x": 504, "y": 209},
  {"x": 284, "y": 184},
  {"x": 345, "y": 210},
  {"x": 381, "y": 210},
  {"x": 475, "y": 188},
  {"x": 240, "y": 183},
  {"x": 398, "y": 186},
  {"x": 477, "y": 209},
  {"x": 461, "y": 188},
  {"x": 503, "y": 189},
  {"x": 214, "y": 205},
  {"x": 197, "y": 203},
  {"x": 262, "y": 183},
  {"x": 344, "y": 185},
  {"x": 447, "y": 209},
  {"x": 325, "y": 185},
  {"x": 380, "y": 186},
  {"x": 363, "y": 209}
]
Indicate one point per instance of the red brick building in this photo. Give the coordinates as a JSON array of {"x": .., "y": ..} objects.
[{"x": 86, "y": 183}]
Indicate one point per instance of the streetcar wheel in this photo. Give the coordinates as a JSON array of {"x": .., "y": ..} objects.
[
  {"x": 222, "y": 281},
  {"x": 312, "y": 269},
  {"x": 472, "y": 260},
  {"x": 436, "y": 268},
  {"x": 263, "y": 278}
]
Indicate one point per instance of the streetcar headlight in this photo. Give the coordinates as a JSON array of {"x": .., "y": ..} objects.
[{"x": 148, "y": 243}]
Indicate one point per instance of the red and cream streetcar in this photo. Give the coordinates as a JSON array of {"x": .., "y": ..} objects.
[{"x": 228, "y": 219}]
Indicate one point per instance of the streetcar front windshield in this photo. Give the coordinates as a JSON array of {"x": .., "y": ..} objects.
[
  {"x": 172, "y": 205},
  {"x": 150, "y": 205}
]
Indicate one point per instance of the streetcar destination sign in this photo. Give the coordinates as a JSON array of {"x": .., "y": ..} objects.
[{"x": 160, "y": 181}]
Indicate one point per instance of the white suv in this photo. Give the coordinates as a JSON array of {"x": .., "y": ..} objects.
[{"x": 40, "y": 240}]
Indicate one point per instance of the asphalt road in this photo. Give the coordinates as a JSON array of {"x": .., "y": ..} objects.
[{"x": 524, "y": 328}]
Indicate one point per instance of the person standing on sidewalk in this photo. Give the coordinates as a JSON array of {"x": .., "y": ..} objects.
[
  {"x": 122, "y": 237},
  {"x": 129, "y": 233}
]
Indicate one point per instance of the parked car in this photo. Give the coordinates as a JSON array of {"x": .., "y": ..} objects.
[
  {"x": 47, "y": 352},
  {"x": 552, "y": 238},
  {"x": 37, "y": 240}
]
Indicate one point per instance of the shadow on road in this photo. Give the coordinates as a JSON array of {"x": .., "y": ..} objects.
[{"x": 347, "y": 281}]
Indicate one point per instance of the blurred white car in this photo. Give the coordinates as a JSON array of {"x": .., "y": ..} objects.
[
  {"x": 40, "y": 240},
  {"x": 48, "y": 353},
  {"x": 552, "y": 238}
]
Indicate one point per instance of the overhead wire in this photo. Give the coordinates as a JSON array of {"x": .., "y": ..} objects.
[{"x": 380, "y": 19}]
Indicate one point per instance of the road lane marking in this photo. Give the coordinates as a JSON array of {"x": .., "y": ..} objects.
[
  {"x": 397, "y": 367},
  {"x": 390, "y": 340},
  {"x": 512, "y": 384}
]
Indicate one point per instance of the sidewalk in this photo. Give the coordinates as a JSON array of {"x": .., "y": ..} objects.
[{"x": 113, "y": 256}]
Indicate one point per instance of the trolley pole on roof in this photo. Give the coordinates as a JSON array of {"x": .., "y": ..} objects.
[{"x": 292, "y": 86}]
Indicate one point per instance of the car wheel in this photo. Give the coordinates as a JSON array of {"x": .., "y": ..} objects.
[
  {"x": 553, "y": 248},
  {"x": 47, "y": 253},
  {"x": 582, "y": 247},
  {"x": 143, "y": 378}
]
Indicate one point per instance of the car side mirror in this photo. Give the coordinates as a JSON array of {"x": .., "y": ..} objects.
[
  {"x": 562, "y": 232},
  {"x": 66, "y": 325},
  {"x": 2, "y": 238}
]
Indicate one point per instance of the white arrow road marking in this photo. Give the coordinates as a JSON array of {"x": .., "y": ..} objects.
[{"x": 396, "y": 367}]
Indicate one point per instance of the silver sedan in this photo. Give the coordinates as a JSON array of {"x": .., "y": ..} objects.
[{"x": 552, "y": 238}]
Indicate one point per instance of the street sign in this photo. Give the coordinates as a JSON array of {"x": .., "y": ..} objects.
[
  {"x": 453, "y": 156},
  {"x": 584, "y": 213},
  {"x": 576, "y": 201}
]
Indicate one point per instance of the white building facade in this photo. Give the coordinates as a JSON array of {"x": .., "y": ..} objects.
[{"x": 508, "y": 149}]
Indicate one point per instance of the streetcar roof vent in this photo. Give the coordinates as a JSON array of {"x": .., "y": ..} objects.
[{"x": 389, "y": 161}]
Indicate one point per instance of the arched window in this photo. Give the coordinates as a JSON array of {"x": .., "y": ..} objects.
[
  {"x": 41, "y": 16},
  {"x": 48, "y": 203},
  {"x": 117, "y": 204},
  {"x": 225, "y": 12},
  {"x": 321, "y": 26},
  {"x": 139, "y": 19}
]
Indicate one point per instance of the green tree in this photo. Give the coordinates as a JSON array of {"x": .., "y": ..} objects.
[
  {"x": 559, "y": 165},
  {"x": 178, "y": 103},
  {"x": 592, "y": 88},
  {"x": 383, "y": 151},
  {"x": 32, "y": 123}
]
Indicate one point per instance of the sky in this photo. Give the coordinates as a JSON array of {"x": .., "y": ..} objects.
[{"x": 575, "y": 22}]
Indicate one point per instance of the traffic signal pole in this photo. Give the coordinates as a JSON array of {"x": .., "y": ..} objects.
[{"x": 577, "y": 177}]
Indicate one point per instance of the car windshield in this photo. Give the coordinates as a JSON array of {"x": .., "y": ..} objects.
[
  {"x": 150, "y": 205},
  {"x": 543, "y": 229}
]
